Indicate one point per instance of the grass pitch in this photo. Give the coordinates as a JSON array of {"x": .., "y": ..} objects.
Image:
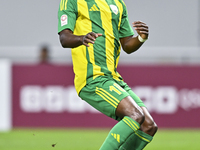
[{"x": 91, "y": 139}]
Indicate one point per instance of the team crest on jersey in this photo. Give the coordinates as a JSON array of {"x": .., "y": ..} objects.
[
  {"x": 63, "y": 20},
  {"x": 114, "y": 9}
]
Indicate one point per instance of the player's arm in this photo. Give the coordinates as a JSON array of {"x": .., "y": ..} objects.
[
  {"x": 69, "y": 40},
  {"x": 131, "y": 44}
]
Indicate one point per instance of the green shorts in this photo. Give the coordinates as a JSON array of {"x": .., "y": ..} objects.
[{"x": 104, "y": 94}]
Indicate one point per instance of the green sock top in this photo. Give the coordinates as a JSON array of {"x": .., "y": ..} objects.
[{"x": 134, "y": 125}]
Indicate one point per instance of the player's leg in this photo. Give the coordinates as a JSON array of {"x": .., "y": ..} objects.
[
  {"x": 132, "y": 118},
  {"x": 128, "y": 107},
  {"x": 105, "y": 95},
  {"x": 148, "y": 126},
  {"x": 143, "y": 136},
  {"x": 147, "y": 130}
]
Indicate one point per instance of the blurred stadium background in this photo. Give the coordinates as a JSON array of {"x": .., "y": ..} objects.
[{"x": 39, "y": 107}]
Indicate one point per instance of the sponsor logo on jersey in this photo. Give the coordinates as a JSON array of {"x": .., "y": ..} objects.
[
  {"x": 114, "y": 9},
  {"x": 63, "y": 20}
]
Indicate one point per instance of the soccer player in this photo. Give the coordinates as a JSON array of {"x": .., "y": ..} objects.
[{"x": 96, "y": 30}]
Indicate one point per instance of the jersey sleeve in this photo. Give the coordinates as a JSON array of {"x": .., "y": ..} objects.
[
  {"x": 125, "y": 28},
  {"x": 67, "y": 15}
]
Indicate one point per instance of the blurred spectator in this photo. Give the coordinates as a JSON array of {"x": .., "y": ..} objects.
[{"x": 44, "y": 54}]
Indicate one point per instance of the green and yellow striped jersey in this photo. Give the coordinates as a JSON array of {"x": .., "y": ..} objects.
[{"x": 108, "y": 17}]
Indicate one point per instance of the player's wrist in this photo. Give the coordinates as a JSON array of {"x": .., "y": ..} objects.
[
  {"x": 141, "y": 39},
  {"x": 81, "y": 39}
]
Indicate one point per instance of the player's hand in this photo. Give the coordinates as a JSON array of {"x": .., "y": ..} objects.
[
  {"x": 90, "y": 38},
  {"x": 141, "y": 28}
]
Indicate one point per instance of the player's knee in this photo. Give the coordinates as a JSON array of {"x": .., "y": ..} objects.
[
  {"x": 151, "y": 128},
  {"x": 154, "y": 128},
  {"x": 140, "y": 119},
  {"x": 138, "y": 116}
]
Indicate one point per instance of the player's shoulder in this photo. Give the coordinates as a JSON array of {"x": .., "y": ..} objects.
[
  {"x": 122, "y": 2},
  {"x": 68, "y": 5},
  {"x": 65, "y": 2}
]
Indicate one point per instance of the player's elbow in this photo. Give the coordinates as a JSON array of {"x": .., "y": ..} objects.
[
  {"x": 64, "y": 39},
  {"x": 63, "y": 44},
  {"x": 129, "y": 48},
  {"x": 129, "y": 51}
]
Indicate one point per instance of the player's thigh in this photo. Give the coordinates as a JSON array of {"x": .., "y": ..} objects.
[
  {"x": 104, "y": 95},
  {"x": 135, "y": 97},
  {"x": 138, "y": 101}
]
